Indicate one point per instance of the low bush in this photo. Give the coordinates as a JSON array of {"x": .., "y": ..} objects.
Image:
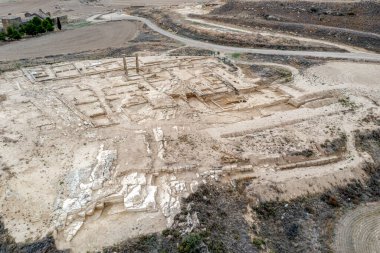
[
  {"x": 2, "y": 36},
  {"x": 190, "y": 244}
]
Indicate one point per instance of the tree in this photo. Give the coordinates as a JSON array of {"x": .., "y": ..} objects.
[
  {"x": 2, "y": 36},
  {"x": 48, "y": 19},
  {"x": 21, "y": 29},
  {"x": 10, "y": 31},
  {"x": 40, "y": 29},
  {"x": 13, "y": 33},
  {"x": 16, "y": 35},
  {"x": 36, "y": 21},
  {"x": 30, "y": 28},
  {"x": 47, "y": 25}
]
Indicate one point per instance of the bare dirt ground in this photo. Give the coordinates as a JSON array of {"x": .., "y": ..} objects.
[{"x": 89, "y": 38}]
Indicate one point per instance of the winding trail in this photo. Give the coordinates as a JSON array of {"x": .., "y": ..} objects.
[
  {"x": 273, "y": 34},
  {"x": 228, "y": 49}
]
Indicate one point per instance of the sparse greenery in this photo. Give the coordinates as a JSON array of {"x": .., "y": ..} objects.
[
  {"x": 285, "y": 74},
  {"x": 346, "y": 102},
  {"x": 258, "y": 242},
  {"x": 236, "y": 55},
  {"x": 190, "y": 244}
]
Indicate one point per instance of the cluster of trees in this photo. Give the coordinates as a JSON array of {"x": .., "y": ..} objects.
[{"x": 32, "y": 27}]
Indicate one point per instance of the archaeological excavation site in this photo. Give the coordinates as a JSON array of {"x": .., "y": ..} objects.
[{"x": 176, "y": 126}]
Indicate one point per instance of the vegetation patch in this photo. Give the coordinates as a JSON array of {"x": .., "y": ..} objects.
[
  {"x": 31, "y": 28},
  {"x": 346, "y": 102},
  {"x": 236, "y": 55}
]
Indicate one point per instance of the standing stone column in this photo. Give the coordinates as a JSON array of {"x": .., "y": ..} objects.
[
  {"x": 137, "y": 64},
  {"x": 125, "y": 66}
]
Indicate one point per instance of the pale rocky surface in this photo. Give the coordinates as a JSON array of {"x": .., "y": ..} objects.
[{"x": 85, "y": 148}]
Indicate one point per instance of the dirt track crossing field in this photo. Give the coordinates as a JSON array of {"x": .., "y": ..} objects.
[
  {"x": 100, "y": 36},
  {"x": 359, "y": 230}
]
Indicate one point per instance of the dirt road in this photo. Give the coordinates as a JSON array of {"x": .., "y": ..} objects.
[
  {"x": 266, "y": 33},
  {"x": 99, "y": 36},
  {"x": 229, "y": 49},
  {"x": 116, "y": 34}
]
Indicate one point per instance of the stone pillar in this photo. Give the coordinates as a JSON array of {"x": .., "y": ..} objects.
[
  {"x": 125, "y": 66},
  {"x": 137, "y": 64}
]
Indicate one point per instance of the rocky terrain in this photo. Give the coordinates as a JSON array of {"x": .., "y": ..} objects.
[
  {"x": 355, "y": 23},
  {"x": 173, "y": 21},
  {"x": 215, "y": 127}
]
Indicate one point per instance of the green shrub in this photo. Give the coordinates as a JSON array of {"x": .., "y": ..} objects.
[
  {"x": 30, "y": 28},
  {"x": 190, "y": 244},
  {"x": 36, "y": 21},
  {"x": 16, "y": 35},
  {"x": 21, "y": 30},
  {"x": 13, "y": 33},
  {"x": 47, "y": 25},
  {"x": 258, "y": 242},
  {"x": 40, "y": 29},
  {"x": 10, "y": 31},
  {"x": 48, "y": 19},
  {"x": 2, "y": 36}
]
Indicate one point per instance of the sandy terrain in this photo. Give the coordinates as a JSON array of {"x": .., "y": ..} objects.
[
  {"x": 352, "y": 74},
  {"x": 99, "y": 36}
]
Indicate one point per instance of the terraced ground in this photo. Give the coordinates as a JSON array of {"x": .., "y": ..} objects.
[{"x": 359, "y": 230}]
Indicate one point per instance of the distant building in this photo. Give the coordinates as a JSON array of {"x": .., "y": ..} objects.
[
  {"x": 10, "y": 21},
  {"x": 17, "y": 21}
]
